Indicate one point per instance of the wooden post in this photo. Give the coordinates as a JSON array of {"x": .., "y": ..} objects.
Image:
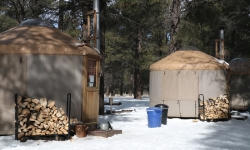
[
  {"x": 91, "y": 38},
  {"x": 111, "y": 103},
  {"x": 88, "y": 29},
  {"x": 219, "y": 54},
  {"x": 94, "y": 34},
  {"x": 216, "y": 48},
  {"x": 222, "y": 50}
]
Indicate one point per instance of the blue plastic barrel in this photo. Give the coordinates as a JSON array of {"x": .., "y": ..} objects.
[{"x": 154, "y": 117}]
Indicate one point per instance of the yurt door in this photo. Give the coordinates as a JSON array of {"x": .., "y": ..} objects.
[
  {"x": 179, "y": 92},
  {"x": 91, "y": 93}
]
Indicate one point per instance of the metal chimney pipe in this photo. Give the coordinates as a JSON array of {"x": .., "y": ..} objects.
[
  {"x": 222, "y": 43},
  {"x": 222, "y": 33},
  {"x": 96, "y": 8}
]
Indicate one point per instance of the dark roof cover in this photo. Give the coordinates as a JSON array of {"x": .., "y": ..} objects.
[
  {"x": 36, "y": 22},
  {"x": 239, "y": 66}
]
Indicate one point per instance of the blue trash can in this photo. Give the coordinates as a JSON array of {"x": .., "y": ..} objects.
[{"x": 154, "y": 117}]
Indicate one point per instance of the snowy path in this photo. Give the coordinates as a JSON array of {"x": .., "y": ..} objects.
[{"x": 178, "y": 134}]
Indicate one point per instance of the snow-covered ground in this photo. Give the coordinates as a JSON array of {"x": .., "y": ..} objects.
[{"x": 178, "y": 134}]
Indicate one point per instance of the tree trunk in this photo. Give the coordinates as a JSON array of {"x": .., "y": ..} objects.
[
  {"x": 175, "y": 12},
  {"x": 112, "y": 89},
  {"x": 137, "y": 83},
  {"x": 102, "y": 52},
  {"x": 131, "y": 85},
  {"x": 101, "y": 96},
  {"x": 60, "y": 21},
  {"x": 20, "y": 15},
  {"x": 22, "y": 10},
  {"x": 121, "y": 88},
  {"x": 122, "y": 82},
  {"x": 107, "y": 91},
  {"x": 137, "y": 73}
]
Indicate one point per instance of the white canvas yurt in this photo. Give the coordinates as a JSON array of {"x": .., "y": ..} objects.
[
  {"x": 40, "y": 61},
  {"x": 179, "y": 78},
  {"x": 239, "y": 84}
]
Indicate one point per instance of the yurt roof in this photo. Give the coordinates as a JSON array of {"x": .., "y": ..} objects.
[
  {"x": 30, "y": 39},
  {"x": 239, "y": 66},
  {"x": 189, "y": 60}
]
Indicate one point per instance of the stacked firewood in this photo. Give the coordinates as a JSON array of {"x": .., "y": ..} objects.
[
  {"x": 216, "y": 108},
  {"x": 40, "y": 117}
]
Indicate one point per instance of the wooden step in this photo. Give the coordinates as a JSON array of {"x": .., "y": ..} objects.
[{"x": 104, "y": 133}]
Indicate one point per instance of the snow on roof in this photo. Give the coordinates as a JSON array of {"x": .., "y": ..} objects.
[{"x": 222, "y": 61}]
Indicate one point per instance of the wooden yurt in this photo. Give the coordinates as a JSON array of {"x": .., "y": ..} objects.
[
  {"x": 239, "y": 84},
  {"x": 179, "y": 78},
  {"x": 39, "y": 61}
]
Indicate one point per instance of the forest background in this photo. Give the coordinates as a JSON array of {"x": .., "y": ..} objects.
[{"x": 136, "y": 33}]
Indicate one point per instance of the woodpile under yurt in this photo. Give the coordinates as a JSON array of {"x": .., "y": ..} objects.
[
  {"x": 40, "y": 117},
  {"x": 214, "y": 108}
]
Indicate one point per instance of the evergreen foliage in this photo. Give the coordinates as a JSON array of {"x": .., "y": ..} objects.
[
  {"x": 134, "y": 32},
  {"x": 136, "y": 35},
  {"x": 6, "y": 23}
]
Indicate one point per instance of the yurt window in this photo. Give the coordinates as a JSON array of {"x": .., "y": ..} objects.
[{"x": 91, "y": 72}]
